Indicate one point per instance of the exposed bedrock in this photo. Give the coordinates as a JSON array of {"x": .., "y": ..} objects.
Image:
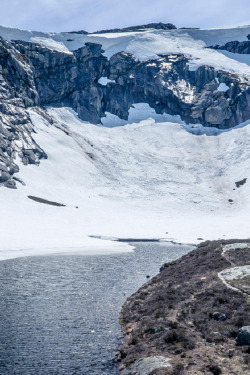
[
  {"x": 166, "y": 84},
  {"x": 17, "y": 93},
  {"x": 235, "y": 47},
  {"x": 35, "y": 76}
]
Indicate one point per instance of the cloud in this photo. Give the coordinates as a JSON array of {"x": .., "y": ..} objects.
[{"x": 63, "y": 15}]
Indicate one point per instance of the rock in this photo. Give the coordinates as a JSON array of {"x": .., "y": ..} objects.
[
  {"x": 230, "y": 353},
  {"x": 4, "y": 176},
  {"x": 73, "y": 79},
  {"x": 17, "y": 91},
  {"x": 29, "y": 154},
  {"x": 241, "y": 182},
  {"x": 243, "y": 337},
  {"x": 19, "y": 180},
  {"x": 235, "y": 47},
  {"x": 218, "y": 316},
  {"x": 145, "y": 366},
  {"x": 3, "y": 168},
  {"x": 155, "y": 25},
  {"x": 11, "y": 184}
]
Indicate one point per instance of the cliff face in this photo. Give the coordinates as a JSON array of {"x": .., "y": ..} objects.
[
  {"x": 166, "y": 84},
  {"x": 186, "y": 319},
  {"x": 235, "y": 47},
  {"x": 35, "y": 76},
  {"x": 17, "y": 93}
]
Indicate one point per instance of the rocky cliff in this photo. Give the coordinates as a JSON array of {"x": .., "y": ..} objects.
[
  {"x": 235, "y": 47},
  {"x": 35, "y": 76}
]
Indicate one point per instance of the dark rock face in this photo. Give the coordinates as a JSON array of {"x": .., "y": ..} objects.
[
  {"x": 235, "y": 47},
  {"x": 155, "y": 25},
  {"x": 17, "y": 92},
  {"x": 68, "y": 79},
  {"x": 34, "y": 76},
  {"x": 243, "y": 337},
  {"x": 166, "y": 84},
  {"x": 241, "y": 182}
]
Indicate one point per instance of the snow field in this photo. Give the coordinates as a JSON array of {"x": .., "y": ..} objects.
[{"x": 145, "y": 179}]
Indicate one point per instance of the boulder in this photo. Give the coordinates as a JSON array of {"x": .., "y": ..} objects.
[
  {"x": 11, "y": 184},
  {"x": 4, "y": 176},
  {"x": 218, "y": 316},
  {"x": 145, "y": 366},
  {"x": 243, "y": 337}
]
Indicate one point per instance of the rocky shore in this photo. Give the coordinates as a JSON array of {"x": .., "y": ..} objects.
[{"x": 193, "y": 317}]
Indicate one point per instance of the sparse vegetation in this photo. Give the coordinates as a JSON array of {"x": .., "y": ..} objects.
[{"x": 187, "y": 314}]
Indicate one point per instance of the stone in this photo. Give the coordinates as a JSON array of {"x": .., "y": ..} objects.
[
  {"x": 145, "y": 366},
  {"x": 235, "y": 47},
  {"x": 243, "y": 337},
  {"x": 29, "y": 154},
  {"x": 11, "y": 184},
  {"x": 4, "y": 176},
  {"x": 218, "y": 316}
]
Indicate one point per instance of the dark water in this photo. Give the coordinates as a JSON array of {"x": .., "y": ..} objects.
[{"x": 59, "y": 314}]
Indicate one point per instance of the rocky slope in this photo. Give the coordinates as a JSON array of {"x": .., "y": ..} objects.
[
  {"x": 17, "y": 92},
  {"x": 35, "y": 76},
  {"x": 236, "y": 46},
  {"x": 186, "y": 319}
]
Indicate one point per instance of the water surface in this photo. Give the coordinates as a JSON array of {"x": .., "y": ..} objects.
[{"x": 59, "y": 314}]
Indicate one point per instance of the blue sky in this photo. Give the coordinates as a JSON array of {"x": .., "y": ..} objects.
[{"x": 91, "y": 15}]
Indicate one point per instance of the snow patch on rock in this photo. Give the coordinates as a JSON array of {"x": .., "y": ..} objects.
[
  {"x": 104, "y": 81},
  {"x": 223, "y": 87}
]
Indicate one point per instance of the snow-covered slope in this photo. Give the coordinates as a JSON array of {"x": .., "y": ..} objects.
[
  {"x": 144, "y": 179},
  {"x": 150, "y": 43}
]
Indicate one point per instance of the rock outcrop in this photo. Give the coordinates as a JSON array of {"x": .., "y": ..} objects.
[
  {"x": 235, "y": 47},
  {"x": 191, "y": 316},
  {"x": 154, "y": 25},
  {"x": 17, "y": 93},
  {"x": 166, "y": 84}
]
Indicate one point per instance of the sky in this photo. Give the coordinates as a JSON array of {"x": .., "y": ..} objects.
[{"x": 93, "y": 15}]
